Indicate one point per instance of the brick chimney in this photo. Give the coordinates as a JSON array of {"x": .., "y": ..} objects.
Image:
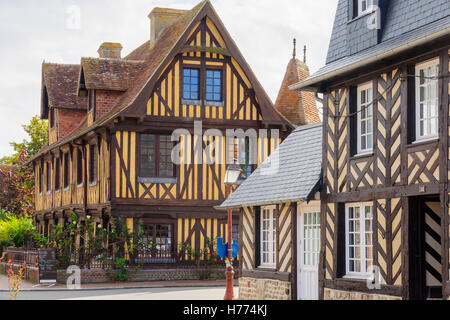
[
  {"x": 110, "y": 50},
  {"x": 160, "y": 19},
  {"x": 299, "y": 107}
]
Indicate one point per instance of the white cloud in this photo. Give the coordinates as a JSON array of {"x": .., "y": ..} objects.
[{"x": 33, "y": 31}]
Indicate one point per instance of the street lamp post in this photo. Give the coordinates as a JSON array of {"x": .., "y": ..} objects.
[{"x": 231, "y": 176}]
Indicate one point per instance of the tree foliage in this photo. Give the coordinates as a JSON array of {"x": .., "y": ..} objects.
[
  {"x": 16, "y": 177},
  {"x": 17, "y": 231},
  {"x": 37, "y": 131}
]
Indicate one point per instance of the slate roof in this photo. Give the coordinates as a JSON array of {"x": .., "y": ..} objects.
[
  {"x": 405, "y": 21},
  {"x": 61, "y": 81},
  {"x": 109, "y": 74},
  {"x": 153, "y": 55},
  {"x": 298, "y": 160}
]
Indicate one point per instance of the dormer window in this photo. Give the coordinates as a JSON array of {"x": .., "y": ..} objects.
[{"x": 364, "y": 6}]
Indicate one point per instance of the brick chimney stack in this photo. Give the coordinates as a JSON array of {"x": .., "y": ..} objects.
[
  {"x": 160, "y": 19},
  {"x": 110, "y": 50},
  {"x": 299, "y": 107}
]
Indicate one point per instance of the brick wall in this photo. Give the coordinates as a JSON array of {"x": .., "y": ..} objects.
[
  {"x": 331, "y": 294},
  {"x": 68, "y": 121},
  {"x": 31, "y": 273},
  {"x": 106, "y": 100},
  {"x": 264, "y": 289}
]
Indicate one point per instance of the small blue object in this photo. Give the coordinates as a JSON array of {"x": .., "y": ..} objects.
[
  {"x": 221, "y": 248},
  {"x": 235, "y": 247}
]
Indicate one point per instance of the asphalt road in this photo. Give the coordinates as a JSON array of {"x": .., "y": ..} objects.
[{"x": 183, "y": 293}]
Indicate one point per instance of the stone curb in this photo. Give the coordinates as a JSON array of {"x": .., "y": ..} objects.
[{"x": 124, "y": 288}]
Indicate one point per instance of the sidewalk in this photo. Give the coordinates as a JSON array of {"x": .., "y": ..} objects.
[{"x": 27, "y": 286}]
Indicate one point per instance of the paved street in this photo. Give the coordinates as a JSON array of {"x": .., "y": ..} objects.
[{"x": 180, "y": 293}]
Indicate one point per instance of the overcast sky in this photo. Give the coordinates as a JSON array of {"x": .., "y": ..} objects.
[{"x": 32, "y": 31}]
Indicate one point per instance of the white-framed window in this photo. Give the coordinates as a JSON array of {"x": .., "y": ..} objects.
[
  {"x": 427, "y": 99},
  {"x": 268, "y": 237},
  {"x": 365, "y": 118},
  {"x": 358, "y": 239},
  {"x": 364, "y": 6}
]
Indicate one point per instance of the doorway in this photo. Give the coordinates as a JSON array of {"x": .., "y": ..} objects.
[
  {"x": 425, "y": 263},
  {"x": 308, "y": 238}
]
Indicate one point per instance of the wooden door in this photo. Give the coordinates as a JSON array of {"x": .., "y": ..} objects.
[{"x": 308, "y": 253}]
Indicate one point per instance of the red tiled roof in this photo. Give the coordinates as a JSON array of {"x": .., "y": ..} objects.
[
  {"x": 299, "y": 107},
  {"x": 61, "y": 81},
  {"x": 109, "y": 74},
  {"x": 151, "y": 57}
]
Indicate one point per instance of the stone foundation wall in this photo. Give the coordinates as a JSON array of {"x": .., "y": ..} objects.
[
  {"x": 264, "y": 289},
  {"x": 331, "y": 294},
  {"x": 144, "y": 275}
]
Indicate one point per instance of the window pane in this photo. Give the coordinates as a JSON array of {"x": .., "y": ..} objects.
[
  {"x": 214, "y": 85},
  {"x": 190, "y": 84},
  {"x": 148, "y": 155}
]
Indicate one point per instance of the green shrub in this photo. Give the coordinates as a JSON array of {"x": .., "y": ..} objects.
[
  {"x": 121, "y": 265},
  {"x": 16, "y": 231}
]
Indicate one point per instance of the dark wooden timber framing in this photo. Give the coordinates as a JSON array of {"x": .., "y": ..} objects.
[
  {"x": 397, "y": 170},
  {"x": 138, "y": 106},
  {"x": 294, "y": 250}
]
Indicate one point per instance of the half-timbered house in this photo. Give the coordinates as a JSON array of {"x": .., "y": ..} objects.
[
  {"x": 112, "y": 118},
  {"x": 385, "y": 218},
  {"x": 280, "y": 221},
  {"x": 280, "y": 212}
]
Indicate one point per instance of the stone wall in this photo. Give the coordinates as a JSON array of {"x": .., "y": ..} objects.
[
  {"x": 331, "y": 294},
  {"x": 264, "y": 289},
  {"x": 144, "y": 275}
]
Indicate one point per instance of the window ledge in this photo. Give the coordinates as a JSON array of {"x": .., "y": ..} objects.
[
  {"x": 67, "y": 189},
  {"x": 214, "y": 103},
  {"x": 79, "y": 185},
  {"x": 157, "y": 180},
  {"x": 358, "y": 277},
  {"x": 364, "y": 14},
  {"x": 362, "y": 155},
  {"x": 425, "y": 140},
  {"x": 57, "y": 191},
  {"x": 93, "y": 184},
  {"x": 48, "y": 193},
  {"x": 191, "y": 102},
  {"x": 267, "y": 268}
]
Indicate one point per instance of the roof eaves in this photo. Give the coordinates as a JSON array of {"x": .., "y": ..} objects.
[{"x": 312, "y": 82}]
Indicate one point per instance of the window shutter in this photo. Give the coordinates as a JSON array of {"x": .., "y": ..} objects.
[
  {"x": 257, "y": 236},
  {"x": 411, "y": 98},
  {"x": 340, "y": 269},
  {"x": 353, "y": 121}
]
